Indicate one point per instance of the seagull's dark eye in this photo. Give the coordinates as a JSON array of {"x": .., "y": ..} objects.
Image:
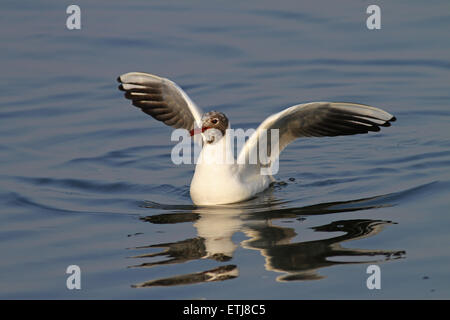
[{"x": 214, "y": 121}]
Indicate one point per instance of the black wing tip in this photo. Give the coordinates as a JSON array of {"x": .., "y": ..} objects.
[
  {"x": 121, "y": 88},
  {"x": 388, "y": 122},
  {"x": 118, "y": 79}
]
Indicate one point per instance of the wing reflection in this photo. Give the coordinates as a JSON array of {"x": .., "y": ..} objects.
[
  {"x": 301, "y": 260},
  {"x": 216, "y": 274},
  {"x": 280, "y": 246}
]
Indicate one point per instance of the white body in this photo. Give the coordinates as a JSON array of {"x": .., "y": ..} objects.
[
  {"x": 218, "y": 178},
  {"x": 218, "y": 181}
]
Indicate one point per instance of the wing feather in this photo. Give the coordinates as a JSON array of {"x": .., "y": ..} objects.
[
  {"x": 160, "y": 98},
  {"x": 316, "y": 119}
]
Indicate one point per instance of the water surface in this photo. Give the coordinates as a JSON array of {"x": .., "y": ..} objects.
[{"x": 87, "y": 179}]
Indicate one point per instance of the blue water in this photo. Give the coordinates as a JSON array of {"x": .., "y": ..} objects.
[{"x": 87, "y": 180}]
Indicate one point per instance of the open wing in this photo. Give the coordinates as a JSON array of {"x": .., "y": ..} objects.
[
  {"x": 161, "y": 98},
  {"x": 315, "y": 119}
]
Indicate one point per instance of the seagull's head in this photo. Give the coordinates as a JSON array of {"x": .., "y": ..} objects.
[{"x": 214, "y": 126}]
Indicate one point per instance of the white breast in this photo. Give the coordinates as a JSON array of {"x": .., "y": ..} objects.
[{"x": 218, "y": 180}]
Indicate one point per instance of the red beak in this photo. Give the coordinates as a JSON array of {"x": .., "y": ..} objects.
[{"x": 197, "y": 130}]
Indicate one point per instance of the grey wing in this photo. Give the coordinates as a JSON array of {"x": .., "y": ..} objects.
[
  {"x": 160, "y": 98},
  {"x": 317, "y": 119},
  {"x": 329, "y": 119}
]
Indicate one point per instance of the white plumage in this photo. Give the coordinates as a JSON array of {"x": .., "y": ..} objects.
[{"x": 217, "y": 181}]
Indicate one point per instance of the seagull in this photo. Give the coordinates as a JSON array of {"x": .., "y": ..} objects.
[{"x": 218, "y": 182}]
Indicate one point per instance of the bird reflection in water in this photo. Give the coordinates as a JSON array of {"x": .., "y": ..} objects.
[{"x": 295, "y": 260}]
